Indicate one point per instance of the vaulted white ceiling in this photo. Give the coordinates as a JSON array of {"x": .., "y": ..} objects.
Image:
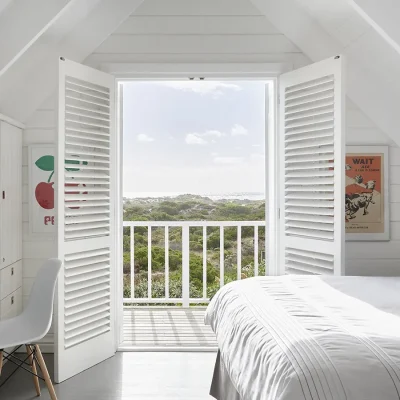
[
  {"x": 322, "y": 28},
  {"x": 383, "y": 16},
  {"x": 80, "y": 29},
  {"x": 23, "y": 22},
  {"x": 366, "y": 31}
]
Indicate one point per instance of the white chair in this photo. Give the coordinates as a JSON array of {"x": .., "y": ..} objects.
[{"x": 31, "y": 326}]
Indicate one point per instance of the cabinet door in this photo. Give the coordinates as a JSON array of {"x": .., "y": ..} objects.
[{"x": 10, "y": 194}]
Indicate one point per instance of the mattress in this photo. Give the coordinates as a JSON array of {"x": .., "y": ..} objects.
[{"x": 309, "y": 337}]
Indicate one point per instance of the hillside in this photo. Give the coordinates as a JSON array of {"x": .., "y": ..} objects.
[{"x": 190, "y": 208}]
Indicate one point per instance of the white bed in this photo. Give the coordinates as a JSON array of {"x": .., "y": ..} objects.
[{"x": 307, "y": 338}]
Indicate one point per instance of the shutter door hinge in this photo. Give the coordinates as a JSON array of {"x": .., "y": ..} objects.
[{"x": 4, "y": 194}]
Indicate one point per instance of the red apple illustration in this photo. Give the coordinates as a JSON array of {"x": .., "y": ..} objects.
[
  {"x": 44, "y": 194},
  {"x": 44, "y": 191}
]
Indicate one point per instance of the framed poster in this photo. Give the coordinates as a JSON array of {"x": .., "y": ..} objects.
[
  {"x": 41, "y": 189},
  {"x": 367, "y": 193}
]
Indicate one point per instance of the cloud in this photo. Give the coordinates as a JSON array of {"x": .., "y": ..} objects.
[
  {"x": 194, "y": 138},
  {"x": 142, "y": 137},
  {"x": 228, "y": 160},
  {"x": 213, "y": 88},
  {"x": 214, "y": 133},
  {"x": 239, "y": 130},
  {"x": 199, "y": 138}
]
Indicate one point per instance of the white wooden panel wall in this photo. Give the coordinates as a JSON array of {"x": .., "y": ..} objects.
[
  {"x": 41, "y": 128},
  {"x": 197, "y": 31},
  {"x": 375, "y": 258}
]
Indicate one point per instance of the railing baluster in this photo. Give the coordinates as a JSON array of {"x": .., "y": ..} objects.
[
  {"x": 239, "y": 252},
  {"x": 149, "y": 263},
  {"x": 166, "y": 262},
  {"x": 204, "y": 262},
  {"x": 185, "y": 266},
  {"x": 132, "y": 262},
  {"x": 256, "y": 250},
  {"x": 185, "y": 226},
  {"x": 221, "y": 256}
]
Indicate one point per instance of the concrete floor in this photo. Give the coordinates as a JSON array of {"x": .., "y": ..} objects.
[{"x": 133, "y": 376}]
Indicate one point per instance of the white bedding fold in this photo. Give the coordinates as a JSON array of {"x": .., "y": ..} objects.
[{"x": 310, "y": 338}]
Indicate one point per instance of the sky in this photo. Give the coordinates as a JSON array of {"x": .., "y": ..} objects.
[{"x": 199, "y": 137}]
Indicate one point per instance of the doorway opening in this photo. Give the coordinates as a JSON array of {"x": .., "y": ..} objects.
[{"x": 194, "y": 203}]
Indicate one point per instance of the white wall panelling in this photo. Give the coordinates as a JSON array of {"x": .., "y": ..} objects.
[
  {"x": 195, "y": 7},
  {"x": 196, "y": 32},
  {"x": 376, "y": 258},
  {"x": 203, "y": 44},
  {"x": 36, "y": 249}
]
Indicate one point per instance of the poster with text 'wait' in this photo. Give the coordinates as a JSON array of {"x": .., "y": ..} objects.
[{"x": 365, "y": 193}]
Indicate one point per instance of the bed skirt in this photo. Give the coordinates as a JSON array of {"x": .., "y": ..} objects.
[{"x": 222, "y": 387}]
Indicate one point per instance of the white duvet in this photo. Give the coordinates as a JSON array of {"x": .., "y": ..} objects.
[{"x": 309, "y": 337}]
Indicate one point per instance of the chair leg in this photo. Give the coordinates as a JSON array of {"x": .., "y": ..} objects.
[
  {"x": 34, "y": 370},
  {"x": 45, "y": 373},
  {"x": 1, "y": 361}
]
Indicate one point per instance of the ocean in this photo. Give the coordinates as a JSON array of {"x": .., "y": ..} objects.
[{"x": 212, "y": 196}]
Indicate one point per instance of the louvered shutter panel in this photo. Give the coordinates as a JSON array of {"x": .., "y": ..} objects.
[
  {"x": 85, "y": 308},
  {"x": 312, "y": 169}
]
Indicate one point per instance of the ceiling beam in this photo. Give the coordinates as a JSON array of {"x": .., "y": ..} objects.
[
  {"x": 22, "y": 23},
  {"x": 383, "y": 16},
  {"x": 376, "y": 98},
  {"x": 33, "y": 57},
  {"x": 39, "y": 83}
]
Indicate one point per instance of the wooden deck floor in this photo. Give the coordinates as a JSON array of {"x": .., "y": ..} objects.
[{"x": 166, "y": 328}]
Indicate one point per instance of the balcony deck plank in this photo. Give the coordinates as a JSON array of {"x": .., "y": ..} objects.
[{"x": 166, "y": 327}]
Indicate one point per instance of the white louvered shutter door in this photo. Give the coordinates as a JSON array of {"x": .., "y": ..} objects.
[
  {"x": 85, "y": 299},
  {"x": 312, "y": 143}
]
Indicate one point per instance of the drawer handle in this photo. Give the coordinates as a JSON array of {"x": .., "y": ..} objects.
[
  {"x": 12, "y": 271},
  {"x": 12, "y": 300}
]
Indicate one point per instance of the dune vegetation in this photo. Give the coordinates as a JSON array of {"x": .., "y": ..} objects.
[{"x": 190, "y": 208}]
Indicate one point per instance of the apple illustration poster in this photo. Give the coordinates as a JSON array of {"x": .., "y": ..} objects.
[{"x": 41, "y": 188}]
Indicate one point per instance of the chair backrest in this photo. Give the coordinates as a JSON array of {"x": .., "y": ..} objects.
[{"x": 40, "y": 307}]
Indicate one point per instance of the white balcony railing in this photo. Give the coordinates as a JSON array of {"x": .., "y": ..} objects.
[{"x": 258, "y": 250}]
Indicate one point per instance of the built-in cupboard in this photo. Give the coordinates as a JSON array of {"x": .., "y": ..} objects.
[{"x": 10, "y": 220}]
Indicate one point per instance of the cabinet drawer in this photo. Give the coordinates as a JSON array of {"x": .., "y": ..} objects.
[
  {"x": 10, "y": 279},
  {"x": 11, "y": 306}
]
